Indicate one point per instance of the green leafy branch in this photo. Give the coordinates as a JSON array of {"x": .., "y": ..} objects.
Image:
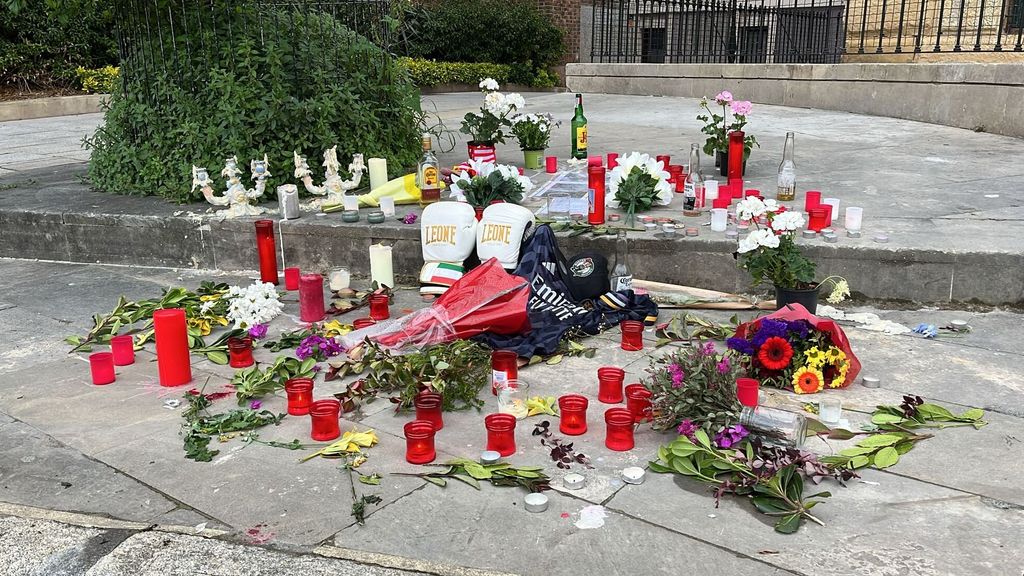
[
  {"x": 469, "y": 472},
  {"x": 257, "y": 382},
  {"x": 687, "y": 327},
  {"x": 200, "y": 426}
]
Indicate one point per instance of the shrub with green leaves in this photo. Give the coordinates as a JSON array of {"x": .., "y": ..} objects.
[
  {"x": 97, "y": 80},
  {"x": 432, "y": 73}
]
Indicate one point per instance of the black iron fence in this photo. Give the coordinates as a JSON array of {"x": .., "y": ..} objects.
[{"x": 798, "y": 31}]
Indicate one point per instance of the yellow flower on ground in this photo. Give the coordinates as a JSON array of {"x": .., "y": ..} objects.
[
  {"x": 335, "y": 328},
  {"x": 808, "y": 380},
  {"x": 209, "y": 297},
  {"x": 201, "y": 324},
  {"x": 815, "y": 357},
  {"x": 349, "y": 443}
]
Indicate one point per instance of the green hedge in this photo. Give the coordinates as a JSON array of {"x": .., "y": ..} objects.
[
  {"x": 431, "y": 73},
  {"x": 97, "y": 80}
]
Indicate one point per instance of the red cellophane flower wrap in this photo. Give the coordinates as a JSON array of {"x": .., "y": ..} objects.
[{"x": 794, "y": 312}]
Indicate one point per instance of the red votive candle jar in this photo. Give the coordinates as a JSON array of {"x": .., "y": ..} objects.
[
  {"x": 419, "y": 442},
  {"x": 721, "y": 201},
  {"x": 828, "y": 213},
  {"x": 300, "y": 395},
  {"x": 240, "y": 352},
  {"x": 664, "y": 159},
  {"x": 291, "y": 278},
  {"x": 501, "y": 433},
  {"x": 123, "y": 349},
  {"x": 324, "y": 416},
  {"x": 267, "y": 249},
  {"x": 101, "y": 364},
  {"x": 595, "y": 181},
  {"x": 746, "y": 391},
  {"x": 675, "y": 172},
  {"x": 619, "y": 422},
  {"x": 594, "y": 161},
  {"x": 632, "y": 335},
  {"x": 818, "y": 220},
  {"x": 812, "y": 199},
  {"x": 171, "y": 335},
  {"x": 736, "y": 145},
  {"x": 609, "y": 381},
  {"x": 638, "y": 402},
  {"x": 613, "y": 160},
  {"x": 504, "y": 368},
  {"x": 572, "y": 414},
  {"x": 428, "y": 408},
  {"x": 752, "y": 192},
  {"x": 736, "y": 185},
  {"x": 680, "y": 185},
  {"x": 551, "y": 164},
  {"x": 311, "y": 297},
  {"x": 380, "y": 307},
  {"x": 360, "y": 323}
]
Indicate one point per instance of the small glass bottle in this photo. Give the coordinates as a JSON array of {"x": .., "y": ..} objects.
[
  {"x": 694, "y": 186},
  {"x": 621, "y": 277},
  {"x": 428, "y": 174},
  {"x": 579, "y": 131},
  {"x": 775, "y": 426},
  {"x": 787, "y": 172}
]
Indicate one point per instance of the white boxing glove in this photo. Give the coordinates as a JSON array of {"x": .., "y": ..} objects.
[
  {"x": 500, "y": 233},
  {"x": 448, "y": 234}
]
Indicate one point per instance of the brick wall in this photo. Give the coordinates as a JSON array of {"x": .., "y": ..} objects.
[{"x": 566, "y": 15}]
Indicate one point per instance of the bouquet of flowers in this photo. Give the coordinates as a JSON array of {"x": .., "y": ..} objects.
[
  {"x": 533, "y": 130},
  {"x": 481, "y": 183},
  {"x": 795, "y": 349},
  {"x": 255, "y": 304},
  {"x": 694, "y": 388},
  {"x": 638, "y": 183},
  {"x": 717, "y": 128},
  {"x": 487, "y": 126}
]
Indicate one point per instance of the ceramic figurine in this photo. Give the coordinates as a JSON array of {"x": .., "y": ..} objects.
[
  {"x": 237, "y": 198},
  {"x": 333, "y": 187}
]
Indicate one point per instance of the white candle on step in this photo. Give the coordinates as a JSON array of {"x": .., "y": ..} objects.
[
  {"x": 378, "y": 172},
  {"x": 381, "y": 267}
]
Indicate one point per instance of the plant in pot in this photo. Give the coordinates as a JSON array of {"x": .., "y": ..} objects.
[
  {"x": 770, "y": 254},
  {"x": 486, "y": 183},
  {"x": 488, "y": 127},
  {"x": 637, "y": 183},
  {"x": 718, "y": 126},
  {"x": 533, "y": 131}
]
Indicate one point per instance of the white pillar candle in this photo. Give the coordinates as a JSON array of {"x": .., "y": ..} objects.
[
  {"x": 710, "y": 191},
  {"x": 381, "y": 267},
  {"x": 387, "y": 205},
  {"x": 350, "y": 202},
  {"x": 854, "y": 217},
  {"x": 834, "y": 203},
  {"x": 378, "y": 172},
  {"x": 719, "y": 219}
]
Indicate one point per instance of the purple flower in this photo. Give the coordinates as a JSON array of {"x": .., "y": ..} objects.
[
  {"x": 410, "y": 218},
  {"x": 708, "y": 349},
  {"x": 316, "y": 346},
  {"x": 258, "y": 331},
  {"x": 724, "y": 366},
  {"x": 741, "y": 345},
  {"x": 317, "y": 368},
  {"x": 677, "y": 374},
  {"x": 731, "y": 436},
  {"x": 687, "y": 428},
  {"x": 800, "y": 328},
  {"x": 255, "y": 405},
  {"x": 768, "y": 329}
]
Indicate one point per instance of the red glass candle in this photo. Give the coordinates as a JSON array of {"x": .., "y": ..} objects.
[
  {"x": 638, "y": 402},
  {"x": 595, "y": 181},
  {"x": 609, "y": 381},
  {"x": 101, "y": 364},
  {"x": 632, "y": 335},
  {"x": 311, "y": 298},
  {"x": 680, "y": 184},
  {"x": 619, "y": 423},
  {"x": 123, "y": 349},
  {"x": 504, "y": 368},
  {"x": 291, "y": 278},
  {"x": 664, "y": 159},
  {"x": 267, "y": 249},
  {"x": 752, "y": 192},
  {"x": 812, "y": 199},
  {"x": 746, "y": 391},
  {"x": 300, "y": 395},
  {"x": 675, "y": 173},
  {"x": 171, "y": 335},
  {"x": 361, "y": 323},
  {"x": 736, "y": 186},
  {"x": 818, "y": 219},
  {"x": 594, "y": 161},
  {"x": 736, "y": 154},
  {"x": 428, "y": 408},
  {"x": 419, "y": 442},
  {"x": 380, "y": 307},
  {"x": 240, "y": 352},
  {"x": 501, "y": 433},
  {"x": 613, "y": 160},
  {"x": 551, "y": 164},
  {"x": 572, "y": 414},
  {"x": 828, "y": 213},
  {"x": 324, "y": 416},
  {"x": 721, "y": 201}
]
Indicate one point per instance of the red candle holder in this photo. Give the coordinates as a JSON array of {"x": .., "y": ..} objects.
[
  {"x": 360, "y": 323},
  {"x": 736, "y": 186},
  {"x": 267, "y": 249},
  {"x": 746, "y": 391},
  {"x": 419, "y": 442},
  {"x": 324, "y": 416},
  {"x": 551, "y": 164},
  {"x": 736, "y": 152},
  {"x": 619, "y": 423},
  {"x": 664, "y": 159},
  {"x": 828, "y": 213},
  {"x": 291, "y": 278},
  {"x": 101, "y": 364},
  {"x": 818, "y": 220},
  {"x": 753, "y": 192},
  {"x": 609, "y": 381},
  {"x": 638, "y": 402},
  {"x": 123, "y": 349},
  {"x": 722, "y": 201},
  {"x": 572, "y": 414},
  {"x": 428, "y": 408},
  {"x": 595, "y": 182},
  {"x": 380, "y": 307},
  {"x": 632, "y": 335},
  {"x": 171, "y": 333},
  {"x": 613, "y": 160},
  {"x": 311, "y": 298},
  {"x": 680, "y": 185},
  {"x": 812, "y": 199},
  {"x": 501, "y": 433},
  {"x": 504, "y": 368},
  {"x": 675, "y": 173},
  {"x": 300, "y": 395},
  {"x": 594, "y": 161},
  {"x": 240, "y": 352}
]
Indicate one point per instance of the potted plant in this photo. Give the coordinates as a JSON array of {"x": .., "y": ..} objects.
[
  {"x": 718, "y": 127},
  {"x": 533, "y": 132},
  {"x": 770, "y": 254},
  {"x": 487, "y": 128},
  {"x": 637, "y": 183},
  {"x": 486, "y": 183}
]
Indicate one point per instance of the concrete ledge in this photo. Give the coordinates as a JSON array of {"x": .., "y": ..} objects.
[
  {"x": 975, "y": 96},
  {"x": 52, "y": 106}
]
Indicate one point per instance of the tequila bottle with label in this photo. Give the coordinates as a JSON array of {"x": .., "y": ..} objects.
[
  {"x": 621, "y": 276},
  {"x": 428, "y": 174}
]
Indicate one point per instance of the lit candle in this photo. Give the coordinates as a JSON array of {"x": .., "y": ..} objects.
[
  {"x": 381, "y": 267},
  {"x": 378, "y": 172}
]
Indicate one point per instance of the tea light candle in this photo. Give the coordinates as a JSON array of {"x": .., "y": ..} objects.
[
  {"x": 340, "y": 279},
  {"x": 375, "y": 217},
  {"x": 959, "y": 325},
  {"x": 732, "y": 235},
  {"x": 870, "y": 382},
  {"x": 381, "y": 266},
  {"x": 853, "y": 233},
  {"x": 809, "y": 234},
  {"x": 651, "y": 226},
  {"x": 574, "y": 481},
  {"x": 490, "y": 457},
  {"x": 387, "y": 205},
  {"x": 634, "y": 475},
  {"x": 692, "y": 232},
  {"x": 378, "y": 172},
  {"x": 881, "y": 238},
  {"x": 350, "y": 202},
  {"x": 668, "y": 229},
  {"x": 535, "y": 502},
  {"x": 830, "y": 238},
  {"x": 350, "y": 216},
  {"x": 614, "y": 217}
]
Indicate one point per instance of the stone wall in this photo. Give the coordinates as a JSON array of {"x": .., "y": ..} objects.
[{"x": 566, "y": 15}]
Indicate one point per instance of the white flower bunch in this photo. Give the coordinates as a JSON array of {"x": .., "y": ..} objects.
[
  {"x": 542, "y": 121},
  {"x": 752, "y": 207},
  {"x": 482, "y": 169},
  {"x": 646, "y": 163},
  {"x": 501, "y": 105},
  {"x": 255, "y": 304},
  {"x": 488, "y": 84},
  {"x": 756, "y": 239},
  {"x": 787, "y": 221}
]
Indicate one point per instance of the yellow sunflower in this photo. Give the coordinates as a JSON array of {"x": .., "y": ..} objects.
[
  {"x": 815, "y": 357},
  {"x": 808, "y": 380},
  {"x": 834, "y": 355}
]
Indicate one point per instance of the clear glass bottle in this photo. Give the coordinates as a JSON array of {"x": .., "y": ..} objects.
[
  {"x": 693, "y": 189},
  {"x": 428, "y": 174},
  {"x": 579, "y": 131},
  {"x": 787, "y": 172},
  {"x": 621, "y": 276},
  {"x": 775, "y": 426}
]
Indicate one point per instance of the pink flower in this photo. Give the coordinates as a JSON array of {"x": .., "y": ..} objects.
[
  {"x": 687, "y": 428},
  {"x": 708, "y": 349},
  {"x": 740, "y": 107},
  {"x": 724, "y": 97},
  {"x": 724, "y": 366},
  {"x": 677, "y": 374}
]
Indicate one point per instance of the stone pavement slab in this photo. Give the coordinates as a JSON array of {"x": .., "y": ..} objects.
[{"x": 40, "y": 548}]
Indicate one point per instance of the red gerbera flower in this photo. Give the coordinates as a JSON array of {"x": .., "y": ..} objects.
[{"x": 775, "y": 353}]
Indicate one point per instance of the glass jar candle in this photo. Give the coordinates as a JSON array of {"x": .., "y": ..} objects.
[
  {"x": 324, "y": 416},
  {"x": 267, "y": 249},
  {"x": 632, "y": 335},
  {"x": 812, "y": 199},
  {"x": 240, "y": 352},
  {"x": 419, "y": 442},
  {"x": 612, "y": 160},
  {"x": 311, "y": 298},
  {"x": 818, "y": 220},
  {"x": 834, "y": 204},
  {"x": 775, "y": 426},
  {"x": 380, "y": 307},
  {"x": 551, "y": 164},
  {"x": 300, "y": 395},
  {"x": 572, "y": 414},
  {"x": 747, "y": 391},
  {"x": 291, "y": 279},
  {"x": 101, "y": 364},
  {"x": 123, "y": 349},
  {"x": 512, "y": 397},
  {"x": 596, "y": 183},
  {"x": 504, "y": 368},
  {"x": 360, "y": 323},
  {"x": 619, "y": 424},
  {"x": 638, "y": 402},
  {"x": 719, "y": 218},
  {"x": 854, "y": 218},
  {"x": 428, "y": 408},
  {"x": 501, "y": 433},
  {"x": 609, "y": 381},
  {"x": 736, "y": 153},
  {"x": 830, "y": 410},
  {"x": 339, "y": 279}
]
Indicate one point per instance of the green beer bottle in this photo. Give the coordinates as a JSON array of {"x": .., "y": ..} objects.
[{"x": 579, "y": 130}]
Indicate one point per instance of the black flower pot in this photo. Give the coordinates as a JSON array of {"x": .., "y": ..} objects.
[
  {"x": 720, "y": 159},
  {"x": 722, "y": 162},
  {"x": 806, "y": 298}
]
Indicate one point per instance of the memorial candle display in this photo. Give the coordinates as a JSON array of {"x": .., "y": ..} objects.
[
  {"x": 501, "y": 433},
  {"x": 504, "y": 368},
  {"x": 324, "y": 419},
  {"x": 619, "y": 429},
  {"x": 572, "y": 414},
  {"x": 380, "y": 307},
  {"x": 428, "y": 408},
  {"x": 101, "y": 364},
  {"x": 171, "y": 333},
  {"x": 419, "y": 442},
  {"x": 123, "y": 349},
  {"x": 609, "y": 381},
  {"x": 595, "y": 182},
  {"x": 736, "y": 150},
  {"x": 267, "y": 249},
  {"x": 381, "y": 267},
  {"x": 240, "y": 352},
  {"x": 378, "y": 172},
  {"x": 311, "y": 298},
  {"x": 632, "y": 334},
  {"x": 638, "y": 402},
  {"x": 300, "y": 395}
]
